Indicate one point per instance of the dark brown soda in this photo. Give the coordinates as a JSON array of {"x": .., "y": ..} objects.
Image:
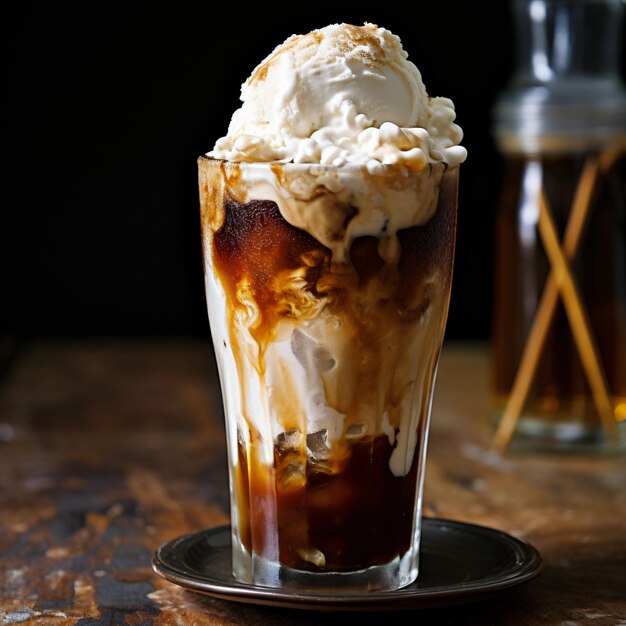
[
  {"x": 358, "y": 517},
  {"x": 560, "y": 389},
  {"x": 351, "y": 508}
]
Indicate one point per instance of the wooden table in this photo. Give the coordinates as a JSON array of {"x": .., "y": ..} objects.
[{"x": 108, "y": 449}]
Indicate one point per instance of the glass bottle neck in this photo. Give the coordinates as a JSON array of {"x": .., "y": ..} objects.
[{"x": 565, "y": 39}]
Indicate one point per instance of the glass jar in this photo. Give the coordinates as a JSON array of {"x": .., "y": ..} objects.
[{"x": 561, "y": 129}]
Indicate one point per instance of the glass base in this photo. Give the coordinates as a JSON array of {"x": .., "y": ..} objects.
[
  {"x": 541, "y": 434},
  {"x": 254, "y": 569}
]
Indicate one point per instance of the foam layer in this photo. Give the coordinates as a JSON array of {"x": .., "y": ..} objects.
[{"x": 336, "y": 205}]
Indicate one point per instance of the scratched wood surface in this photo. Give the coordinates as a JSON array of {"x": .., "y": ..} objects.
[{"x": 108, "y": 449}]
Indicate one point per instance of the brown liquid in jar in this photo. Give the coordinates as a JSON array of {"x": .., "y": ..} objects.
[{"x": 560, "y": 390}]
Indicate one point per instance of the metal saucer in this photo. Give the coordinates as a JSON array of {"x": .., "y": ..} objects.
[{"x": 459, "y": 563}]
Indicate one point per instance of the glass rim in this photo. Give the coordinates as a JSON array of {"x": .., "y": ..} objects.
[{"x": 324, "y": 167}]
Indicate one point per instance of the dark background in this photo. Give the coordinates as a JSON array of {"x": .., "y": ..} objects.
[{"x": 106, "y": 110}]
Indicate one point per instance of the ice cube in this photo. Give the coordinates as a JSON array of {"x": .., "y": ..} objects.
[
  {"x": 292, "y": 476},
  {"x": 288, "y": 441},
  {"x": 301, "y": 346},
  {"x": 321, "y": 466},
  {"x": 317, "y": 444},
  {"x": 355, "y": 431},
  {"x": 322, "y": 360},
  {"x": 310, "y": 354}
]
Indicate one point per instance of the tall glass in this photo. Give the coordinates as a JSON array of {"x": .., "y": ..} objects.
[{"x": 327, "y": 362}]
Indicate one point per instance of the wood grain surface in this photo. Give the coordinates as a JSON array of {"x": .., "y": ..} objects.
[{"x": 110, "y": 448}]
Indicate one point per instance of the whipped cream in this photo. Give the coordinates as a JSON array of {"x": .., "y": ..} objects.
[{"x": 338, "y": 95}]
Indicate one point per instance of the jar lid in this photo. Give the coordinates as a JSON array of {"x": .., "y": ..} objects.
[
  {"x": 566, "y": 93},
  {"x": 561, "y": 116}
]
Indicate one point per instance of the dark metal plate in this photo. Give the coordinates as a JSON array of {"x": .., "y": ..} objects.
[{"x": 459, "y": 563}]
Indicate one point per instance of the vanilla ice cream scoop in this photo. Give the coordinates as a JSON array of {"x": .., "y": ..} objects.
[{"x": 341, "y": 94}]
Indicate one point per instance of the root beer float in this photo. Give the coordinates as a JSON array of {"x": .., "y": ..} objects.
[{"x": 328, "y": 220}]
